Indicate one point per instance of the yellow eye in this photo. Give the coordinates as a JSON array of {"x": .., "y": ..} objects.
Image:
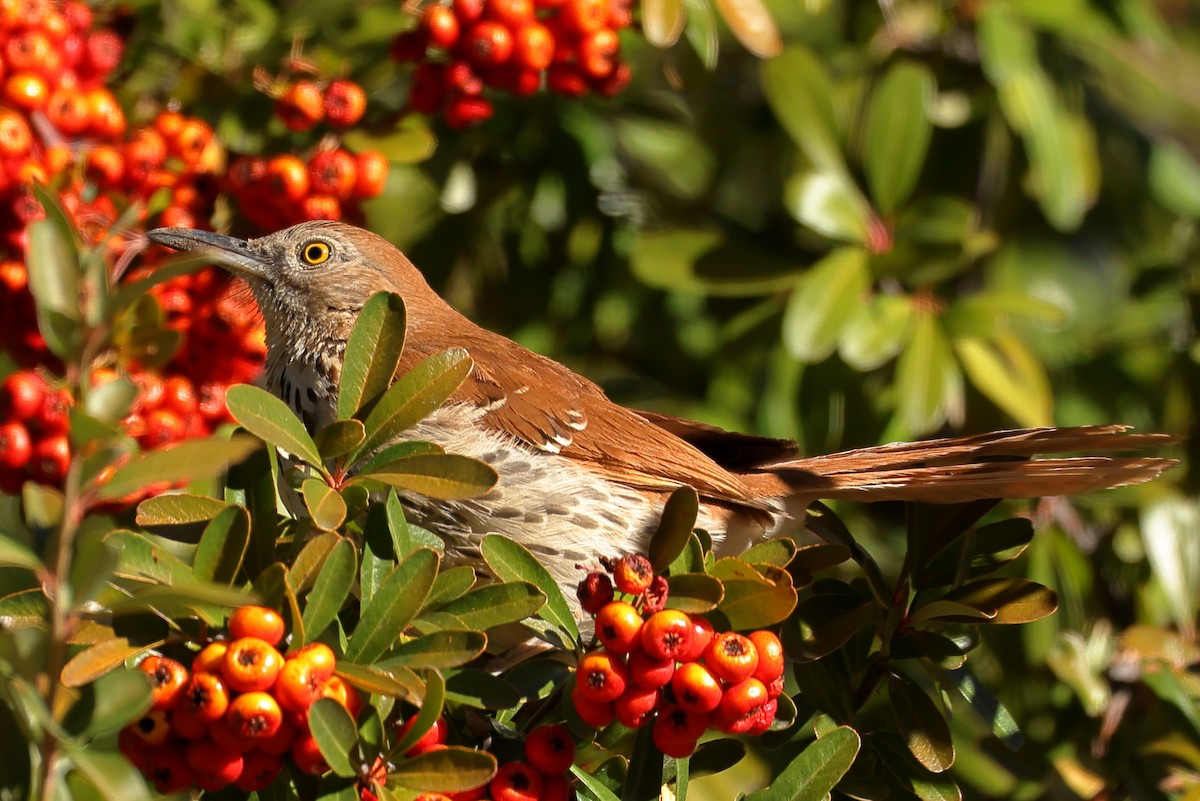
[{"x": 315, "y": 252}]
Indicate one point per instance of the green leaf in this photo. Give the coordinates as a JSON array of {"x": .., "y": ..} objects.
[
  {"x": 451, "y": 584},
  {"x": 372, "y": 353},
  {"x": 709, "y": 262},
  {"x": 431, "y": 709},
  {"x": 268, "y": 418},
  {"x": 452, "y": 769},
  {"x": 53, "y": 264},
  {"x": 752, "y": 25},
  {"x": 798, "y": 89},
  {"x": 184, "y": 600},
  {"x": 814, "y": 558},
  {"x": 919, "y": 719},
  {"x": 813, "y": 775},
  {"x": 896, "y": 133},
  {"x": 496, "y": 604},
  {"x": 510, "y": 561},
  {"x": 110, "y": 773},
  {"x": 830, "y": 204},
  {"x": 401, "y": 144},
  {"x": 898, "y": 760},
  {"x": 15, "y": 769},
  {"x": 1006, "y": 600},
  {"x": 440, "y": 649},
  {"x": 414, "y": 396},
  {"x": 1010, "y": 375},
  {"x": 593, "y": 785},
  {"x": 396, "y": 682},
  {"x": 694, "y": 593},
  {"x": 223, "y": 546},
  {"x": 823, "y": 302},
  {"x": 14, "y": 554},
  {"x": 446, "y": 477},
  {"x": 987, "y": 706},
  {"x": 331, "y": 588},
  {"x": 482, "y": 690},
  {"x": 1175, "y": 179},
  {"x": 339, "y": 438},
  {"x": 111, "y": 401},
  {"x": 177, "y": 509},
  {"x": 824, "y": 622},
  {"x": 335, "y": 733},
  {"x": 188, "y": 461},
  {"x": 928, "y": 382},
  {"x": 662, "y": 21},
  {"x": 397, "y": 451},
  {"x": 324, "y": 503},
  {"x": 307, "y": 564},
  {"x": 141, "y": 557},
  {"x": 779, "y": 552},
  {"x": 675, "y": 528},
  {"x": 753, "y": 600},
  {"x": 112, "y": 701},
  {"x": 875, "y": 331},
  {"x": 391, "y": 609},
  {"x": 97, "y": 660}
]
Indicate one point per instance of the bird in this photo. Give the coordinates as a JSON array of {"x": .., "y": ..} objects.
[{"x": 580, "y": 477}]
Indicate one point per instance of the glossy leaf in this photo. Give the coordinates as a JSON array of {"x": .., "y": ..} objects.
[
  {"x": 397, "y": 451},
  {"x": 331, "y": 588},
  {"x": 496, "y": 604},
  {"x": 830, "y": 204},
  {"x": 339, "y": 438},
  {"x": 755, "y": 603},
  {"x": 393, "y": 606},
  {"x": 674, "y": 528},
  {"x": 928, "y": 381},
  {"x": 986, "y": 705},
  {"x": 451, "y": 584},
  {"x": 141, "y": 557},
  {"x": 823, "y": 302},
  {"x": 110, "y": 773},
  {"x": 451, "y": 769},
  {"x": 324, "y": 504},
  {"x": 1010, "y": 375},
  {"x": 431, "y": 709},
  {"x": 896, "y": 133},
  {"x": 372, "y": 353},
  {"x": 778, "y": 552},
  {"x": 816, "y": 557},
  {"x": 335, "y": 733},
  {"x": 813, "y": 775},
  {"x": 222, "y": 546},
  {"x": 511, "y": 561},
  {"x": 876, "y": 331},
  {"x": 446, "y": 477},
  {"x": 396, "y": 681},
  {"x": 798, "y": 88},
  {"x": 91, "y": 663},
  {"x": 177, "y": 509},
  {"x": 185, "y": 462},
  {"x": 307, "y": 564},
  {"x": 694, "y": 593},
  {"x": 753, "y": 26},
  {"x": 271, "y": 420},
  {"x": 440, "y": 649},
  {"x": 1006, "y": 600},
  {"x": 112, "y": 701},
  {"x": 481, "y": 689},
  {"x": 825, "y": 622},
  {"x": 919, "y": 719},
  {"x": 414, "y": 395}
]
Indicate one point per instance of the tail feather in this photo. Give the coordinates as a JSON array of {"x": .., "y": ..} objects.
[{"x": 994, "y": 465}]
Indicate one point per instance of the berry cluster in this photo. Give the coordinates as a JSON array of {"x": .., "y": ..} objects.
[
  {"x": 512, "y": 45},
  {"x": 668, "y": 668},
  {"x": 541, "y": 776},
  {"x": 302, "y": 104},
  {"x": 238, "y": 713},
  {"x": 283, "y": 190},
  {"x": 33, "y": 434}
]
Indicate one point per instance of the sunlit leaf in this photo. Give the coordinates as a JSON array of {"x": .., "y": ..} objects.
[
  {"x": 694, "y": 593},
  {"x": 446, "y": 477},
  {"x": 662, "y": 21},
  {"x": 339, "y": 438},
  {"x": 799, "y": 90},
  {"x": 111, "y": 773},
  {"x": 335, "y": 733},
  {"x": 414, "y": 395},
  {"x": 440, "y": 649},
  {"x": 754, "y": 603},
  {"x": 222, "y": 546},
  {"x": 184, "y": 462},
  {"x": 451, "y": 769},
  {"x": 824, "y": 301},
  {"x": 830, "y": 204},
  {"x": 896, "y": 132},
  {"x": 496, "y": 604},
  {"x": 1006, "y": 600},
  {"x": 14, "y": 554},
  {"x": 511, "y": 561},
  {"x": 324, "y": 503},
  {"x": 876, "y": 331},
  {"x": 271, "y": 420},
  {"x": 372, "y": 353},
  {"x": 393, "y": 606},
  {"x": 921, "y": 722},
  {"x": 813, "y": 775},
  {"x": 753, "y": 26},
  {"x": 331, "y": 588},
  {"x": 1010, "y": 375},
  {"x": 175, "y": 509},
  {"x": 928, "y": 381},
  {"x": 91, "y": 663}
]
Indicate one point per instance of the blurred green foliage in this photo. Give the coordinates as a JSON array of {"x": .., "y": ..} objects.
[{"x": 924, "y": 215}]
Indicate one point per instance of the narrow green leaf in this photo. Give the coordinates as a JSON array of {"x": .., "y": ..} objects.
[
  {"x": 928, "y": 381},
  {"x": 446, "y": 477},
  {"x": 1010, "y": 375},
  {"x": 452, "y": 769},
  {"x": 324, "y": 504},
  {"x": 830, "y": 204},
  {"x": 675, "y": 527},
  {"x": 896, "y": 133},
  {"x": 913, "y": 776},
  {"x": 331, "y": 588},
  {"x": 396, "y": 681},
  {"x": 875, "y": 331},
  {"x": 779, "y": 552},
  {"x": 110, "y": 773},
  {"x": 372, "y": 352},
  {"x": 95, "y": 661},
  {"x": 176, "y": 509},
  {"x": 593, "y": 785},
  {"x": 1006, "y": 600},
  {"x": 482, "y": 690},
  {"x": 798, "y": 89},
  {"x": 339, "y": 438},
  {"x": 414, "y": 396},
  {"x": 440, "y": 649},
  {"x": 14, "y": 554},
  {"x": 188, "y": 461},
  {"x": 511, "y": 561},
  {"x": 825, "y": 622},
  {"x": 987, "y": 706},
  {"x": 223, "y": 546},
  {"x": 119, "y": 698},
  {"x": 428, "y": 714},
  {"x": 268, "y": 418},
  {"x": 307, "y": 565},
  {"x": 397, "y": 451},
  {"x": 141, "y": 557},
  {"x": 393, "y": 606},
  {"x": 813, "y": 775},
  {"x": 335, "y": 733},
  {"x": 919, "y": 719},
  {"x": 496, "y": 604},
  {"x": 451, "y": 584},
  {"x": 823, "y": 302},
  {"x": 53, "y": 263}
]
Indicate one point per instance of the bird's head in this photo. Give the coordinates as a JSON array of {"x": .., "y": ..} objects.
[{"x": 314, "y": 276}]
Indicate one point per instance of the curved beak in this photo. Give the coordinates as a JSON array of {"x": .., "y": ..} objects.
[{"x": 229, "y": 252}]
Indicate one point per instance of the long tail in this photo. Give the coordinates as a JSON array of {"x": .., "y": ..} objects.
[{"x": 999, "y": 464}]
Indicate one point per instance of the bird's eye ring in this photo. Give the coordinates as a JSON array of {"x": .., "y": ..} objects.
[{"x": 315, "y": 252}]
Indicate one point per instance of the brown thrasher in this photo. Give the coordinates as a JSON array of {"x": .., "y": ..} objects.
[{"x": 580, "y": 476}]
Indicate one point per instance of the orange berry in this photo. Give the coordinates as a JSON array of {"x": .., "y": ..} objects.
[
  {"x": 67, "y": 110},
  {"x": 667, "y": 634},
  {"x": 598, "y": 52},
  {"x": 345, "y": 102},
  {"x": 488, "y": 44},
  {"x": 307, "y": 755},
  {"x": 301, "y": 106},
  {"x": 213, "y": 766},
  {"x": 583, "y": 16},
  {"x": 340, "y": 690},
  {"x": 594, "y": 713},
  {"x": 702, "y": 634},
  {"x": 633, "y": 573},
  {"x": 105, "y": 117},
  {"x": 223, "y": 735},
  {"x": 251, "y": 664},
  {"x": 770, "y": 656},
  {"x": 619, "y": 627},
  {"x": 441, "y": 26},
  {"x": 511, "y": 13},
  {"x": 731, "y": 657},
  {"x": 254, "y": 715},
  {"x": 371, "y": 170},
  {"x": 167, "y": 680},
  {"x": 676, "y": 731},
  {"x": 210, "y": 657},
  {"x": 635, "y": 706},
  {"x": 152, "y": 728},
  {"x": 251, "y": 621},
  {"x": 550, "y": 749},
  {"x": 739, "y": 705},
  {"x": 515, "y": 781},
  {"x": 696, "y": 689},
  {"x": 648, "y": 672},
  {"x": 601, "y": 676},
  {"x": 287, "y": 178},
  {"x": 205, "y": 697},
  {"x": 298, "y": 685},
  {"x": 259, "y": 770},
  {"x": 27, "y": 90}
]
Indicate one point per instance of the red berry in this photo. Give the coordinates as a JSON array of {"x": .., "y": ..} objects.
[
  {"x": 550, "y": 749},
  {"x": 731, "y": 657},
  {"x": 594, "y": 713},
  {"x": 371, "y": 170},
  {"x": 301, "y": 106},
  {"x": 214, "y": 766},
  {"x": 648, "y": 672},
  {"x": 602, "y": 676},
  {"x": 702, "y": 634},
  {"x": 21, "y": 393},
  {"x": 468, "y": 11},
  {"x": 332, "y": 172},
  {"x": 465, "y": 111},
  {"x": 594, "y": 592},
  {"x": 583, "y": 16},
  {"x": 15, "y": 446},
  {"x": 635, "y": 706},
  {"x": 511, "y": 13},
  {"x": 515, "y": 781},
  {"x": 667, "y": 634},
  {"x": 441, "y": 26},
  {"x": 50, "y": 459},
  {"x": 619, "y": 627},
  {"x": 770, "y": 656},
  {"x": 696, "y": 689},
  {"x": 345, "y": 102},
  {"x": 488, "y": 44}
]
